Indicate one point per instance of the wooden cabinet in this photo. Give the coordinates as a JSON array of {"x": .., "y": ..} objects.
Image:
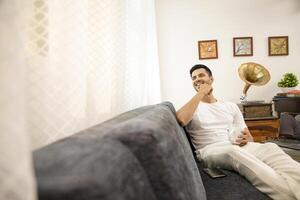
[
  {"x": 256, "y": 110},
  {"x": 286, "y": 104},
  {"x": 263, "y": 129}
]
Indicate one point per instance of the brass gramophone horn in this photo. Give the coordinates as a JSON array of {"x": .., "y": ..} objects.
[{"x": 253, "y": 74}]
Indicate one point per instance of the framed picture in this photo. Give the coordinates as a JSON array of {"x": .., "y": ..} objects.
[
  {"x": 208, "y": 49},
  {"x": 278, "y": 45},
  {"x": 242, "y": 46}
]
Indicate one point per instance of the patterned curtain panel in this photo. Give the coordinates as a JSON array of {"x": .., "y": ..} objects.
[
  {"x": 16, "y": 173},
  {"x": 65, "y": 66},
  {"x": 88, "y": 61}
]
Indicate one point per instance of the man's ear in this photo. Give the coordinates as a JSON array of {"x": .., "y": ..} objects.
[{"x": 212, "y": 79}]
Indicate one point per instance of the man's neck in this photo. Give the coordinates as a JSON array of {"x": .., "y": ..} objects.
[{"x": 209, "y": 99}]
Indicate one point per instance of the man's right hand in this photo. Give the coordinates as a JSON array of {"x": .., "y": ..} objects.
[{"x": 204, "y": 89}]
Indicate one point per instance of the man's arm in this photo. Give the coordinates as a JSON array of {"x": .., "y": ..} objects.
[
  {"x": 246, "y": 136},
  {"x": 185, "y": 113}
]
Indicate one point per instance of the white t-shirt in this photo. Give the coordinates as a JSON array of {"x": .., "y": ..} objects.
[{"x": 211, "y": 123}]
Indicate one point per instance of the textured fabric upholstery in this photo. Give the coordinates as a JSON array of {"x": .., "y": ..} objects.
[
  {"x": 231, "y": 187},
  {"x": 90, "y": 168},
  {"x": 140, "y": 154},
  {"x": 289, "y": 125}
]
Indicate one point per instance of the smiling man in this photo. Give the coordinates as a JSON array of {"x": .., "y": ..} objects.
[{"x": 212, "y": 123}]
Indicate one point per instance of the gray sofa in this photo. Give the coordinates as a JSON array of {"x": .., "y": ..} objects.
[
  {"x": 290, "y": 125},
  {"x": 142, "y": 154}
]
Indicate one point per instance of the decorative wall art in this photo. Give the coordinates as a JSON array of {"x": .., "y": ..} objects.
[
  {"x": 208, "y": 49},
  {"x": 242, "y": 46},
  {"x": 278, "y": 45}
]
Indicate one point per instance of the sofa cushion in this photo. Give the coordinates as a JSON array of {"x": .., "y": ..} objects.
[
  {"x": 85, "y": 167},
  {"x": 160, "y": 145},
  {"x": 140, "y": 154},
  {"x": 231, "y": 187},
  {"x": 289, "y": 125}
]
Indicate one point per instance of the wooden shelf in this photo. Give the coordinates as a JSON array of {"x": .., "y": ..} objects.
[
  {"x": 260, "y": 118},
  {"x": 263, "y": 129}
]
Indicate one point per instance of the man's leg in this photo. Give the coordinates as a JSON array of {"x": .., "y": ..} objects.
[
  {"x": 276, "y": 158},
  {"x": 262, "y": 176}
]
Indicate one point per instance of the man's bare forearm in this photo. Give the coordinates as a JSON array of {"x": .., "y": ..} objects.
[{"x": 186, "y": 112}]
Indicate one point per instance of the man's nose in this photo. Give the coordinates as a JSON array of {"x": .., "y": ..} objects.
[{"x": 199, "y": 81}]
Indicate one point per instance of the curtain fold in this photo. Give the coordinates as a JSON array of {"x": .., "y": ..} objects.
[
  {"x": 65, "y": 66},
  {"x": 88, "y": 61},
  {"x": 141, "y": 55},
  {"x": 16, "y": 173}
]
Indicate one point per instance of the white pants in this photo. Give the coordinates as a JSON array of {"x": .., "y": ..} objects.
[{"x": 266, "y": 166}]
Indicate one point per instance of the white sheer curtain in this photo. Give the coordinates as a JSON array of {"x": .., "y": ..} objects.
[
  {"x": 88, "y": 61},
  {"x": 16, "y": 173},
  {"x": 65, "y": 66}
]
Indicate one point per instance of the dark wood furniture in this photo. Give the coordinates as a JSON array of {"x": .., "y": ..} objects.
[
  {"x": 256, "y": 110},
  {"x": 286, "y": 104},
  {"x": 263, "y": 129},
  {"x": 260, "y": 120}
]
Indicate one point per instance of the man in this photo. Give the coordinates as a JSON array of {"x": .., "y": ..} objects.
[{"x": 209, "y": 122}]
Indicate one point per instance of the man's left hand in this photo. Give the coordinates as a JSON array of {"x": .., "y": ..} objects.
[{"x": 244, "y": 138}]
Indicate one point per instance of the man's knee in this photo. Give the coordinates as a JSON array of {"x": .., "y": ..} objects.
[
  {"x": 224, "y": 151},
  {"x": 232, "y": 150},
  {"x": 222, "y": 157}
]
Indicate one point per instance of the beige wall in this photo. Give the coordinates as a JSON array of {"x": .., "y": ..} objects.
[{"x": 181, "y": 23}]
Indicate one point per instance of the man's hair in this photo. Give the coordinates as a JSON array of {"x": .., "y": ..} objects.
[{"x": 200, "y": 66}]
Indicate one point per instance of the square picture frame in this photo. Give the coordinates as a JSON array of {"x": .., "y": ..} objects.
[
  {"x": 278, "y": 45},
  {"x": 208, "y": 49},
  {"x": 243, "y": 46}
]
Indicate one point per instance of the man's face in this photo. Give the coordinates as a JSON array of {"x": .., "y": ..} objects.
[{"x": 200, "y": 76}]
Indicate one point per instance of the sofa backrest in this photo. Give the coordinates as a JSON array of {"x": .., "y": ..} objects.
[
  {"x": 145, "y": 146},
  {"x": 87, "y": 168},
  {"x": 161, "y": 146}
]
